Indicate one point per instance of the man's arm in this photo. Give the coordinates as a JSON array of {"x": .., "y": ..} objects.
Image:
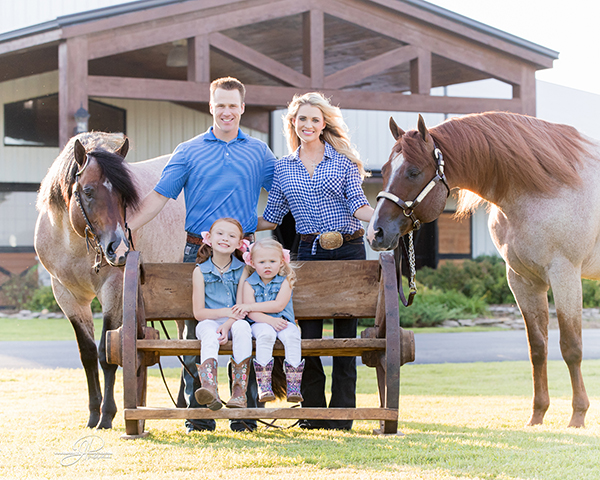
[
  {"x": 150, "y": 207},
  {"x": 264, "y": 225}
]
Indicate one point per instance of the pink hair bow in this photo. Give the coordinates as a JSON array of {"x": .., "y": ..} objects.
[
  {"x": 286, "y": 255},
  {"x": 247, "y": 256},
  {"x": 245, "y": 245},
  {"x": 205, "y": 240}
]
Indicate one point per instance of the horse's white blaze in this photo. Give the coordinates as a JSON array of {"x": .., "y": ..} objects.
[
  {"x": 397, "y": 162},
  {"x": 108, "y": 185}
]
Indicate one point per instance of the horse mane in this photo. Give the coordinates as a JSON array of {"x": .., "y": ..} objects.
[
  {"x": 56, "y": 187},
  {"x": 499, "y": 153}
]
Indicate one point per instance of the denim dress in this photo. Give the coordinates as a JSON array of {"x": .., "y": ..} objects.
[
  {"x": 268, "y": 292},
  {"x": 220, "y": 290}
]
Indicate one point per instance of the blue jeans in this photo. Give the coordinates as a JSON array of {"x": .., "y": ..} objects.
[
  {"x": 192, "y": 383},
  {"x": 343, "y": 385}
]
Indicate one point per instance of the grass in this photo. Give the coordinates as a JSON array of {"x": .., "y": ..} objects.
[
  {"x": 44, "y": 329},
  {"x": 460, "y": 421}
]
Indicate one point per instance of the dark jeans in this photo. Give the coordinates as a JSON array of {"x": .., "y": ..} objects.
[
  {"x": 192, "y": 383},
  {"x": 343, "y": 385}
]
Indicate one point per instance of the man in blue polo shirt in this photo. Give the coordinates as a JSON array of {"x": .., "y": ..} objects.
[{"x": 221, "y": 173}]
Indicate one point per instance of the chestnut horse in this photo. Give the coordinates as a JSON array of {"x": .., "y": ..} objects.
[
  {"x": 82, "y": 239},
  {"x": 542, "y": 183}
]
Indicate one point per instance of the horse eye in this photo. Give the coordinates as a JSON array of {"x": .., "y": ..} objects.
[
  {"x": 88, "y": 192},
  {"x": 413, "y": 173}
]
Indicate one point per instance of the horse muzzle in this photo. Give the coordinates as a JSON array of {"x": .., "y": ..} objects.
[{"x": 116, "y": 251}]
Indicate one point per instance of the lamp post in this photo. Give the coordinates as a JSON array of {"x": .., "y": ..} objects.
[{"x": 81, "y": 120}]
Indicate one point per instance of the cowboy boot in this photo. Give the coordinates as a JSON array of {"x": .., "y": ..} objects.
[
  {"x": 293, "y": 376},
  {"x": 208, "y": 394},
  {"x": 263, "y": 378},
  {"x": 239, "y": 384}
]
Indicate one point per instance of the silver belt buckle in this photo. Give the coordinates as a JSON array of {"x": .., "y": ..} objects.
[{"x": 331, "y": 240}]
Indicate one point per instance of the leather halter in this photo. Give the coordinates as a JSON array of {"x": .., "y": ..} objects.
[
  {"x": 409, "y": 206},
  {"x": 91, "y": 237}
]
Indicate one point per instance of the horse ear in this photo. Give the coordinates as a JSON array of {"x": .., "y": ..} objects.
[
  {"x": 423, "y": 129},
  {"x": 122, "y": 151},
  {"x": 79, "y": 153},
  {"x": 397, "y": 132}
]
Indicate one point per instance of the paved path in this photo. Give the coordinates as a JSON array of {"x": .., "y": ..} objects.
[{"x": 455, "y": 347}]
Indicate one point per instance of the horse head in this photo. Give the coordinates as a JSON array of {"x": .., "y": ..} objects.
[
  {"x": 415, "y": 170},
  {"x": 100, "y": 195}
]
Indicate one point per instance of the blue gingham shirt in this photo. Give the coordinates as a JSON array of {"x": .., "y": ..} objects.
[{"x": 324, "y": 203}]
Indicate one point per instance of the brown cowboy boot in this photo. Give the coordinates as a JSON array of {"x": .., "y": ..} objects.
[
  {"x": 263, "y": 378},
  {"x": 208, "y": 394},
  {"x": 294, "y": 379},
  {"x": 239, "y": 383}
]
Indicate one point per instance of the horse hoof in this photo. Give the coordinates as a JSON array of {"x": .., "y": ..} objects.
[
  {"x": 105, "y": 423},
  {"x": 93, "y": 420},
  {"x": 577, "y": 420}
]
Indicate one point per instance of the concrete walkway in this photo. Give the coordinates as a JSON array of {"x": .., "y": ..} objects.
[{"x": 454, "y": 347}]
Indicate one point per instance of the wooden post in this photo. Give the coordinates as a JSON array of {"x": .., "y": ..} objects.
[
  {"x": 72, "y": 84},
  {"x": 420, "y": 74},
  {"x": 526, "y": 92},
  {"x": 198, "y": 59},
  {"x": 313, "y": 55}
]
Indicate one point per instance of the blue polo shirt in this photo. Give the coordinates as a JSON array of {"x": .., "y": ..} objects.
[{"x": 219, "y": 179}]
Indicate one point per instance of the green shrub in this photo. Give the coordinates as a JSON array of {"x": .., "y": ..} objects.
[
  {"x": 484, "y": 277},
  {"x": 19, "y": 289},
  {"x": 433, "y": 306}
]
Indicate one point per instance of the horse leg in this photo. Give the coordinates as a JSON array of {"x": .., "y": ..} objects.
[
  {"x": 566, "y": 286},
  {"x": 80, "y": 317},
  {"x": 533, "y": 303}
]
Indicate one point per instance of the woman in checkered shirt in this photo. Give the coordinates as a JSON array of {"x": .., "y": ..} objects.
[{"x": 320, "y": 182}]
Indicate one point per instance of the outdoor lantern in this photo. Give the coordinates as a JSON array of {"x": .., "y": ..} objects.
[{"x": 81, "y": 120}]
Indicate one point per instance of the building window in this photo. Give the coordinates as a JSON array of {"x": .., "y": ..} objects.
[
  {"x": 454, "y": 237},
  {"x": 34, "y": 122}
]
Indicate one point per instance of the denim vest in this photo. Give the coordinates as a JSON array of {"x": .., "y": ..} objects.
[
  {"x": 268, "y": 292},
  {"x": 220, "y": 291}
]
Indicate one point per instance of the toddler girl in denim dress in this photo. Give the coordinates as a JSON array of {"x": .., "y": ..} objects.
[{"x": 267, "y": 297}]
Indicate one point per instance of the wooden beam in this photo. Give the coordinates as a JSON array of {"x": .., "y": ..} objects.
[
  {"x": 279, "y": 97},
  {"x": 149, "y": 413},
  {"x": 313, "y": 47},
  {"x": 370, "y": 67},
  {"x": 112, "y": 42},
  {"x": 198, "y": 59},
  {"x": 258, "y": 61},
  {"x": 72, "y": 85},
  {"x": 30, "y": 42},
  {"x": 459, "y": 49},
  {"x": 526, "y": 92},
  {"x": 420, "y": 73}
]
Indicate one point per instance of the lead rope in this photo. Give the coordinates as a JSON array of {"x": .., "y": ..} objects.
[{"x": 410, "y": 255}]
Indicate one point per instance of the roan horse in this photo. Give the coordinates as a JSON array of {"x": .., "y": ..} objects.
[
  {"x": 82, "y": 203},
  {"x": 542, "y": 183}
]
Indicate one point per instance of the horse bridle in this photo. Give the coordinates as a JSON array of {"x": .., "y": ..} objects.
[
  {"x": 408, "y": 207},
  {"x": 91, "y": 238}
]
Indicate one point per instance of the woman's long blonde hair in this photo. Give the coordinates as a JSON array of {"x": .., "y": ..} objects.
[
  {"x": 335, "y": 132},
  {"x": 286, "y": 269}
]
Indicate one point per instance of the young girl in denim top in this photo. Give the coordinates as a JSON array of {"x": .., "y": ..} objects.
[
  {"x": 216, "y": 280},
  {"x": 267, "y": 297}
]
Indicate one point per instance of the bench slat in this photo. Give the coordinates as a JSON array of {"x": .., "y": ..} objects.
[
  {"x": 342, "y": 347},
  {"x": 148, "y": 413},
  {"x": 351, "y": 286}
]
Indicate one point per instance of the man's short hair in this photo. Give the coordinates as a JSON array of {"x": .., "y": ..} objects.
[{"x": 228, "y": 83}]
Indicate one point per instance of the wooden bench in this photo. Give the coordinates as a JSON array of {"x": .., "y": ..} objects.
[{"x": 327, "y": 289}]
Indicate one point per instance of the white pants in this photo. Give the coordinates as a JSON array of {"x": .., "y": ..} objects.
[
  {"x": 266, "y": 335},
  {"x": 240, "y": 334}
]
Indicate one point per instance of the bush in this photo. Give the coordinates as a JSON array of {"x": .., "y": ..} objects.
[
  {"x": 433, "y": 306},
  {"x": 484, "y": 277},
  {"x": 19, "y": 289},
  {"x": 43, "y": 299}
]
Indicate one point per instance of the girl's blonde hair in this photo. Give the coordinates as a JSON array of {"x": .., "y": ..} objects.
[
  {"x": 286, "y": 269},
  {"x": 335, "y": 132},
  {"x": 205, "y": 251}
]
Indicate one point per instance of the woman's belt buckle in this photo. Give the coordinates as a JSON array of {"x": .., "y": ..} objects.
[{"x": 331, "y": 240}]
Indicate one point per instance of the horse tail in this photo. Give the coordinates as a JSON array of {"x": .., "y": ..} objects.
[{"x": 278, "y": 380}]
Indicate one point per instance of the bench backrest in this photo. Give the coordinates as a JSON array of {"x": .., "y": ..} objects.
[{"x": 327, "y": 289}]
